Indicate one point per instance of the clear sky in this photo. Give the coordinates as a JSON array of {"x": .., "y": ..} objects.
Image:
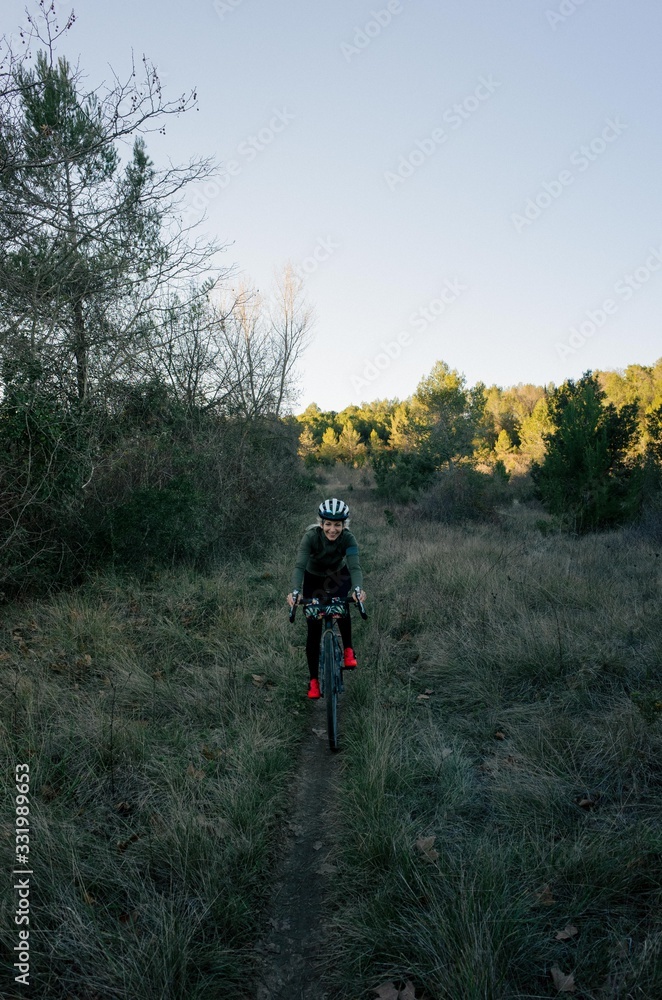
[{"x": 466, "y": 180}]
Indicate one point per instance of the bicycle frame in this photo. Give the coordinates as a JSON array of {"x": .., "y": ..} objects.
[{"x": 331, "y": 656}]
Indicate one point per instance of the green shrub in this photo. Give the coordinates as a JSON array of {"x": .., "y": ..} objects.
[
  {"x": 400, "y": 475},
  {"x": 158, "y": 525},
  {"x": 586, "y": 478},
  {"x": 196, "y": 492},
  {"x": 45, "y": 458},
  {"x": 461, "y": 493},
  {"x": 137, "y": 480}
]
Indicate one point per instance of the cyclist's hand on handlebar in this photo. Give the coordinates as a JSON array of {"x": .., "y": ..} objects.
[
  {"x": 291, "y": 600},
  {"x": 360, "y": 596}
]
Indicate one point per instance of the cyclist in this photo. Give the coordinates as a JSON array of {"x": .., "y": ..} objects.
[{"x": 327, "y": 565}]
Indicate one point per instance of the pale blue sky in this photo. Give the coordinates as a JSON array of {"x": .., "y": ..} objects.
[{"x": 508, "y": 291}]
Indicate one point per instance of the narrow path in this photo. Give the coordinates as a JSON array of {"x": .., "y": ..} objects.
[{"x": 290, "y": 958}]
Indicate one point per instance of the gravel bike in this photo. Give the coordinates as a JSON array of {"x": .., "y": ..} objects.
[{"x": 331, "y": 650}]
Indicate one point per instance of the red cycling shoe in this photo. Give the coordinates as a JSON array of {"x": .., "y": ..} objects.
[
  {"x": 314, "y": 688},
  {"x": 350, "y": 659}
]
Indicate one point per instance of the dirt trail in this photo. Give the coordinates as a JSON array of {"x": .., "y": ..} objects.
[{"x": 290, "y": 957}]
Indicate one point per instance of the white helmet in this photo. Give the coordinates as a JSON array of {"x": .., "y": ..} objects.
[{"x": 333, "y": 510}]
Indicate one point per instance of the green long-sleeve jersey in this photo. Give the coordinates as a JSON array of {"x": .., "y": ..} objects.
[{"x": 321, "y": 557}]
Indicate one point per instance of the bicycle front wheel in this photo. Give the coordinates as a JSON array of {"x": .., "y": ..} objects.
[{"x": 331, "y": 688}]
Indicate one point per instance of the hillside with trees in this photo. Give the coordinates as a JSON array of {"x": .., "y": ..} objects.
[{"x": 588, "y": 449}]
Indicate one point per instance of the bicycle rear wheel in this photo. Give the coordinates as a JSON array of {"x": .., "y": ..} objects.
[{"x": 331, "y": 688}]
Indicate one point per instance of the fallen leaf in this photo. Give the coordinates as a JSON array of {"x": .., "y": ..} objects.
[
  {"x": 564, "y": 983},
  {"x": 259, "y": 680},
  {"x": 423, "y": 697},
  {"x": 387, "y": 991},
  {"x": 499, "y": 735},
  {"x": 446, "y": 752},
  {"x": 5, "y": 656},
  {"x": 320, "y": 732},
  {"x": 568, "y": 932},
  {"x": 425, "y": 846},
  {"x": 327, "y": 869},
  {"x": 317, "y": 845},
  {"x": 210, "y": 754},
  {"x": 429, "y": 691},
  {"x": 545, "y": 897},
  {"x": 123, "y": 808},
  {"x": 587, "y": 801},
  {"x": 123, "y": 844},
  {"x": 48, "y": 793},
  {"x": 195, "y": 773},
  {"x": 88, "y": 898}
]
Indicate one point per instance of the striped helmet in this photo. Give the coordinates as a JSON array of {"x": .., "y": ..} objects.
[{"x": 333, "y": 510}]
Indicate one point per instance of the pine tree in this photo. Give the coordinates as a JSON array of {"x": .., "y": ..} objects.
[
  {"x": 585, "y": 478},
  {"x": 350, "y": 447},
  {"x": 328, "y": 451},
  {"x": 307, "y": 449},
  {"x": 88, "y": 241}
]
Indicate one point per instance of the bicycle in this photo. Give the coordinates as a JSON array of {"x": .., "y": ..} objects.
[{"x": 331, "y": 651}]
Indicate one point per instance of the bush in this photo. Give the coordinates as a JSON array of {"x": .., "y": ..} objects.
[
  {"x": 461, "y": 493},
  {"x": 196, "y": 493},
  {"x": 138, "y": 481},
  {"x": 45, "y": 458},
  {"x": 400, "y": 475}
]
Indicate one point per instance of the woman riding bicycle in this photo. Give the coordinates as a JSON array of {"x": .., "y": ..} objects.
[{"x": 327, "y": 565}]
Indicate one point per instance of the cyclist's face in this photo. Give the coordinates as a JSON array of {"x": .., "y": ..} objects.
[{"x": 332, "y": 529}]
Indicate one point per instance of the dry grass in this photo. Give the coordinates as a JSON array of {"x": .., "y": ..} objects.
[
  {"x": 501, "y": 781},
  {"x": 510, "y": 708},
  {"x": 159, "y": 774}
]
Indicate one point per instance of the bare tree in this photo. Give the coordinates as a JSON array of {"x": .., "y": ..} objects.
[
  {"x": 237, "y": 355},
  {"x": 291, "y": 320}
]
